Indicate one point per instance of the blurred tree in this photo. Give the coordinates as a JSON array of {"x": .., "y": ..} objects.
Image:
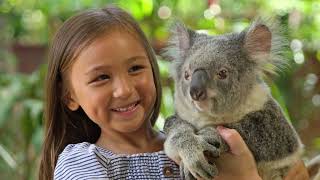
[{"x": 20, "y": 123}]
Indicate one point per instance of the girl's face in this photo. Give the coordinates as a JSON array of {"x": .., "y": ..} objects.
[{"x": 112, "y": 81}]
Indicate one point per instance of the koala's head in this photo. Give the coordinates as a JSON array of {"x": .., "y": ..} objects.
[{"x": 216, "y": 73}]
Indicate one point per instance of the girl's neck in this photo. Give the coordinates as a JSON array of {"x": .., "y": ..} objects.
[{"x": 141, "y": 141}]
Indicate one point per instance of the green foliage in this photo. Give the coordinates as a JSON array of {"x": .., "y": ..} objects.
[
  {"x": 317, "y": 143},
  {"x": 21, "y": 123}
]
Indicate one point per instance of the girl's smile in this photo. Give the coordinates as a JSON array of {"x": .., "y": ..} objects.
[
  {"x": 127, "y": 111},
  {"x": 118, "y": 93}
]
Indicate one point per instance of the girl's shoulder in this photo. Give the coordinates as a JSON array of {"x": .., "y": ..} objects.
[
  {"x": 79, "y": 161},
  {"x": 88, "y": 161},
  {"x": 77, "y": 149}
]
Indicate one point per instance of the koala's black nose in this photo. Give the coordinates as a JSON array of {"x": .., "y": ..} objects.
[{"x": 198, "y": 83}]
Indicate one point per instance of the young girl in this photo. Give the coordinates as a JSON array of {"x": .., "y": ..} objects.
[{"x": 103, "y": 96}]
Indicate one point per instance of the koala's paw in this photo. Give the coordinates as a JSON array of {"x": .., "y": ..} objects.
[
  {"x": 198, "y": 170},
  {"x": 211, "y": 136},
  {"x": 185, "y": 173}
]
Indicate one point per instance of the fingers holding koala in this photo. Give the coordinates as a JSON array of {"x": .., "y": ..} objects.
[
  {"x": 234, "y": 140},
  {"x": 238, "y": 162}
]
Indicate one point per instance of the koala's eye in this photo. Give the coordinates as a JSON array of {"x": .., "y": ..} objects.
[
  {"x": 222, "y": 74},
  {"x": 186, "y": 75}
]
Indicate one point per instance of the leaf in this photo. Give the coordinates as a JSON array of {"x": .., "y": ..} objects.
[
  {"x": 167, "y": 107},
  {"x": 7, "y": 157},
  {"x": 318, "y": 56},
  {"x": 6, "y": 110},
  {"x": 316, "y": 143},
  {"x": 277, "y": 95},
  {"x": 163, "y": 68},
  {"x": 37, "y": 139}
]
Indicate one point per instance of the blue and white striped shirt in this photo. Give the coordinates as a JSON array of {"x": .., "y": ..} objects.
[{"x": 85, "y": 161}]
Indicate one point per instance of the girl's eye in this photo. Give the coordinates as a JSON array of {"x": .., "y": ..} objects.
[
  {"x": 102, "y": 77},
  {"x": 222, "y": 74},
  {"x": 135, "y": 68}
]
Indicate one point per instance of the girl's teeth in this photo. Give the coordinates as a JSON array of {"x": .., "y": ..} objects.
[{"x": 126, "y": 109}]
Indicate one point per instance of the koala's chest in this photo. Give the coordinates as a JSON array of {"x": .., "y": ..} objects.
[
  {"x": 201, "y": 122},
  {"x": 267, "y": 139}
]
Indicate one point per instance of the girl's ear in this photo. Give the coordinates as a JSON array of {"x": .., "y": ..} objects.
[{"x": 71, "y": 103}]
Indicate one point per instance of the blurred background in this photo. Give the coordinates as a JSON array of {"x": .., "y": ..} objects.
[{"x": 27, "y": 26}]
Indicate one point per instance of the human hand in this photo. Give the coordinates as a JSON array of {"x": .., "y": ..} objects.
[
  {"x": 313, "y": 167},
  {"x": 238, "y": 163},
  {"x": 298, "y": 172}
]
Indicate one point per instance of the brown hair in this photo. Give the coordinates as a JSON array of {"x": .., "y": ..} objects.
[{"x": 63, "y": 126}]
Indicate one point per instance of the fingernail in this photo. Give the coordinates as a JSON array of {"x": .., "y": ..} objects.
[
  {"x": 221, "y": 128},
  {"x": 223, "y": 131}
]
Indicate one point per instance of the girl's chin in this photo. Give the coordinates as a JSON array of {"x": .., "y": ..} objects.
[
  {"x": 129, "y": 128},
  {"x": 128, "y": 122},
  {"x": 131, "y": 125}
]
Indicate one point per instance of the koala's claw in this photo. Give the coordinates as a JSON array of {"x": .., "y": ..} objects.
[
  {"x": 210, "y": 150},
  {"x": 212, "y": 137},
  {"x": 185, "y": 173},
  {"x": 198, "y": 167}
]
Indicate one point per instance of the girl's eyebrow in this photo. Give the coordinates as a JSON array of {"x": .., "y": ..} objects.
[
  {"x": 97, "y": 68},
  {"x": 135, "y": 58},
  {"x": 127, "y": 61}
]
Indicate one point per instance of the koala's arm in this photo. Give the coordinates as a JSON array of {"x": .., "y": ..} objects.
[
  {"x": 185, "y": 145},
  {"x": 269, "y": 136},
  {"x": 181, "y": 135},
  {"x": 175, "y": 123},
  {"x": 177, "y": 133}
]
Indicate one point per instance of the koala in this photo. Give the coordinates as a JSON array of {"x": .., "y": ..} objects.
[{"x": 219, "y": 80}]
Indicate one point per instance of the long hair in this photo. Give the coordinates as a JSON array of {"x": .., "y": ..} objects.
[{"x": 63, "y": 126}]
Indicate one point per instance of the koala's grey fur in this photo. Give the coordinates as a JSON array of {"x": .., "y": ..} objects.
[{"x": 241, "y": 101}]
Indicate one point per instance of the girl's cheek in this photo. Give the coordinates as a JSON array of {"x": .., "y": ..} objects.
[{"x": 148, "y": 82}]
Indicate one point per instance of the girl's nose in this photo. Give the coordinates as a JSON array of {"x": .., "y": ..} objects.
[{"x": 122, "y": 87}]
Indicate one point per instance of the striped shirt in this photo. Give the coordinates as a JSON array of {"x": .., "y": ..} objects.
[{"x": 85, "y": 161}]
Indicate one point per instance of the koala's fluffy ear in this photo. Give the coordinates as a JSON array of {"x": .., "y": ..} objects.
[
  {"x": 257, "y": 42},
  {"x": 179, "y": 42},
  {"x": 266, "y": 44}
]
